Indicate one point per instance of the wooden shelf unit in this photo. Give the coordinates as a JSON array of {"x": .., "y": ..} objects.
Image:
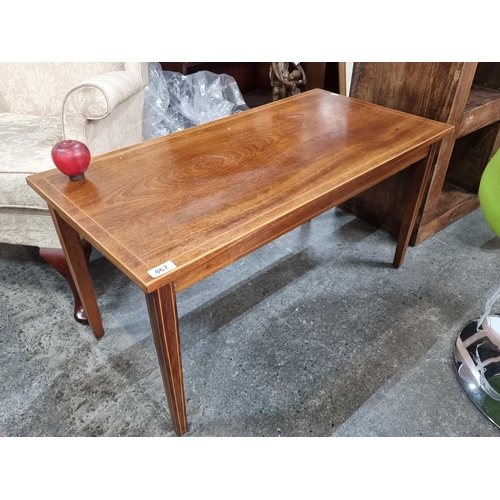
[{"x": 466, "y": 95}]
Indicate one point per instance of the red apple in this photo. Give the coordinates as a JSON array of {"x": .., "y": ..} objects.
[{"x": 71, "y": 158}]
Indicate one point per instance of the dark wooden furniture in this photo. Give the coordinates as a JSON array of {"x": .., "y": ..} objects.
[
  {"x": 326, "y": 75},
  {"x": 253, "y": 77},
  {"x": 172, "y": 211},
  {"x": 466, "y": 95}
]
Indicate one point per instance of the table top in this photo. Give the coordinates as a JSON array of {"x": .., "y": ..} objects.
[{"x": 201, "y": 198}]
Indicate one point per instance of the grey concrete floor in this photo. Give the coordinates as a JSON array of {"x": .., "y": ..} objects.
[{"x": 315, "y": 334}]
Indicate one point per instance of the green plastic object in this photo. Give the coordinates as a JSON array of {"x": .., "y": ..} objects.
[{"x": 489, "y": 193}]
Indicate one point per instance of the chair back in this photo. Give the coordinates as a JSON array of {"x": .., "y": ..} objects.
[{"x": 38, "y": 88}]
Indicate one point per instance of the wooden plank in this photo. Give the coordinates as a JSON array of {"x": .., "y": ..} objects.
[
  {"x": 482, "y": 109},
  {"x": 453, "y": 205}
]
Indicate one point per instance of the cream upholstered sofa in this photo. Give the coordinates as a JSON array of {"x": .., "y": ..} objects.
[{"x": 100, "y": 104}]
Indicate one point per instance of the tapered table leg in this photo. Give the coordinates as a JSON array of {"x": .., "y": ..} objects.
[
  {"x": 418, "y": 185},
  {"x": 162, "y": 307},
  {"x": 71, "y": 244},
  {"x": 56, "y": 258}
]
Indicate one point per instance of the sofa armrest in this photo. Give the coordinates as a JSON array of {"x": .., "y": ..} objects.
[{"x": 95, "y": 99}]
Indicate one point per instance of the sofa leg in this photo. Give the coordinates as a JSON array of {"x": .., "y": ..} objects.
[{"x": 55, "y": 257}]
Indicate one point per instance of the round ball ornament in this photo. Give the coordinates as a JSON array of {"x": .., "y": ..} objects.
[{"x": 72, "y": 158}]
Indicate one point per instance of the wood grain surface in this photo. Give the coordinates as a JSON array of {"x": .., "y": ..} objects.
[{"x": 209, "y": 195}]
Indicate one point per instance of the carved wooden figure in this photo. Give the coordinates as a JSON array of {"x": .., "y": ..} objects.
[{"x": 285, "y": 82}]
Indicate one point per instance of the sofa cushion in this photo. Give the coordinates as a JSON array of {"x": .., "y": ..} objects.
[{"x": 25, "y": 145}]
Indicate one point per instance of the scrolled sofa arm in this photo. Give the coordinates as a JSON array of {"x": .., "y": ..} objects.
[{"x": 97, "y": 99}]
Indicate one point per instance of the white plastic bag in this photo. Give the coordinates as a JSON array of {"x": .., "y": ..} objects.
[{"x": 175, "y": 102}]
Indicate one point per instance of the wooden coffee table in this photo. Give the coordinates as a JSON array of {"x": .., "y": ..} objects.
[{"x": 172, "y": 211}]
